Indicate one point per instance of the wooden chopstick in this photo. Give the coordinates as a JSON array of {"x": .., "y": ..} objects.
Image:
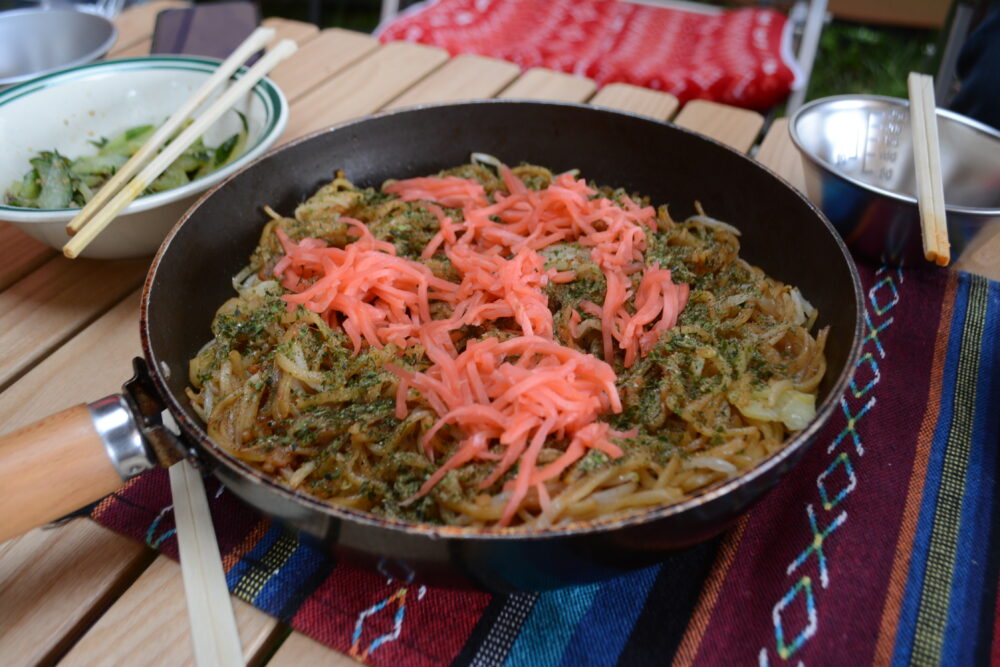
[
  {"x": 927, "y": 160},
  {"x": 257, "y": 40},
  {"x": 214, "y": 633},
  {"x": 158, "y": 165}
]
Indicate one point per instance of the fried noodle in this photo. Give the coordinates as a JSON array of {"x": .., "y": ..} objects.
[{"x": 494, "y": 346}]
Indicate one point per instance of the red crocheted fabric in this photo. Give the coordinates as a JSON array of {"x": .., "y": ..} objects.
[{"x": 737, "y": 57}]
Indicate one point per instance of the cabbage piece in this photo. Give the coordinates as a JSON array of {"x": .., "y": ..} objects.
[
  {"x": 795, "y": 409},
  {"x": 129, "y": 141},
  {"x": 805, "y": 312},
  {"x": 100, "y": 164},
  {"x": 54, "y": 176}
]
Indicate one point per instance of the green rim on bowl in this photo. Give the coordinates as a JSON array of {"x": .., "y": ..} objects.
[{"x": 275, "y": 106}]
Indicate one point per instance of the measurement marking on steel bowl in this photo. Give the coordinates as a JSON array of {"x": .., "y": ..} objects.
[{"x": 882, "y": 136}]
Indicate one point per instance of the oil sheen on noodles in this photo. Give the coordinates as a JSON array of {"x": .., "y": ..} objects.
[{"x": 491, "y": 347}]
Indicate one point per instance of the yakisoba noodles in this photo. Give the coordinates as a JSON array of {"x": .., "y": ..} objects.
[{"x": 494, "y": 346}]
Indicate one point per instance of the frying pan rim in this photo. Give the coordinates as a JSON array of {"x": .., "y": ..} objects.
[{"x": 219, "y": 456}]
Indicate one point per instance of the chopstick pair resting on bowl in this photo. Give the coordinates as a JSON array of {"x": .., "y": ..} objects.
[{"x": 118, "y": 192}]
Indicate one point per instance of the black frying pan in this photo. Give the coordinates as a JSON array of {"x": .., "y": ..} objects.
[{"x": 190, "y": 277}]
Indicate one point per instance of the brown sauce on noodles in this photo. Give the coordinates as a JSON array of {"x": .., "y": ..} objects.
[{"x": 719, "y": 392}]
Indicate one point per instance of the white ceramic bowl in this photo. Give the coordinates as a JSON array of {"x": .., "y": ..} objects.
[{"x": 64, "y": 111}]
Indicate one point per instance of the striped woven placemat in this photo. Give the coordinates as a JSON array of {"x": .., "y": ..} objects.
[{"x": 883, "y": 545}]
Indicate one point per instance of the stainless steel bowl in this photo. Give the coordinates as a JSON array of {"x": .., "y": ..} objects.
[
  {"x": 34, "y": 42},
  {"x": 858, "y": 163}
]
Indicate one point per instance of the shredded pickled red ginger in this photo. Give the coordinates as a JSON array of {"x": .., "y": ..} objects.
[{"x": 506, "y": 398}]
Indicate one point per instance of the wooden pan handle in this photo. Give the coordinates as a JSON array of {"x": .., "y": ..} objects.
[{"x": 51, "y": 468}]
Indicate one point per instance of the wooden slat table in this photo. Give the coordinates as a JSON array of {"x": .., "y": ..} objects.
[{"x": 80, "y": 594}]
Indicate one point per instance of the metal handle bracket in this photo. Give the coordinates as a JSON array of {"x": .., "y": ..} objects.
[{"x": 122, "y": 438}]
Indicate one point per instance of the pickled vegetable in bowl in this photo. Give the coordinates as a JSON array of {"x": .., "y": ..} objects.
[
  {"x": 55, "y": 181},
  {"x": 66, "y": 115}
]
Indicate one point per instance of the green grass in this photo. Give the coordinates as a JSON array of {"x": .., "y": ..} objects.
[
  {"x": 360, "y": 15},
  {"x": 855, "y": 58}
]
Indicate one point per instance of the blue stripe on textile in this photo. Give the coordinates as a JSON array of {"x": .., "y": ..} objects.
[
  {"x": 932, "y": 482},
  {"x": 603, "y": 631},
  {"x": 297, "y": 572},
  {"x": 971, "y": 558},
  {"x": 550, "y": 625},
  {"x": 237, "y": 571}
]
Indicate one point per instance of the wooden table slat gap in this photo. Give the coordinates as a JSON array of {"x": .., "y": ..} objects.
[
  {"x": 737, "y": 128},
  {"x": 74, "y": 294},
  {"x": 982, "y": 256},
  {"x": 120, "y": 46},
  {"x": 330, "y": 52},
  {"x": 778, "y": 153},
  {"x": 94, "y": 363},
  {"x": 263, "y": 657},
  {"x": 540, "y": 83},
  {"x": 626, "y": 97},
  {"x": 138, "y": 22},
  {"x": 298, "y": 31},
  {"x": 363, "y": 87},
  {"x": 148, "y": 625},
  {"x": 56, "y": 582},
  {"x": 464, "y": 77},
  {"x": 20, "y": 254},
  {"x": 299, "y": 649},
  {"x": 137, "y": 50},
  {"x": 130, "y": 572}
]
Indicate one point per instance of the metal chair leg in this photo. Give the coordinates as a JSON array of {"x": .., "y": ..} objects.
[{"x": 807, "y": 51}]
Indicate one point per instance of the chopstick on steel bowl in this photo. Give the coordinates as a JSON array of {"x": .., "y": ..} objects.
[
  {"x": 257, "y": 40},
  {"x": 87, "y": 231},
  {"x": 927, "y": 160}
]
